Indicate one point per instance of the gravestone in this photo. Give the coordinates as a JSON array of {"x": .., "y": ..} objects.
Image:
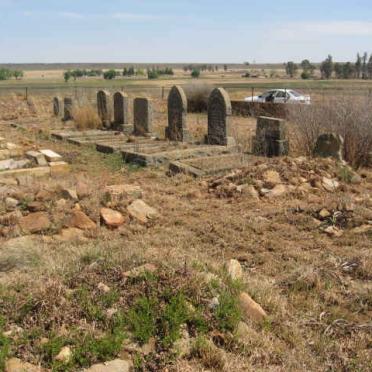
[
  {"x": 142, "y": 116},
  {"x": 177, "y": 115},
  {"x": 68, "y": 104},
  {"x": 120, "y": 108},
  {"x": 104, "y": 107},
  {"x": 57, "y": 106},
  {"x": 271, "y": 137},
  {"x": 219, "y": 112},
  {"x": 329, "y": 145}
]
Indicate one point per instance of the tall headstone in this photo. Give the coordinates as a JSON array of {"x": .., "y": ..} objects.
[
  {"x": 68, "y": 104},
  {"x": 177, "y": 115},
  {"x": 329, "y": 145},
  {"x": 121, "y": 108},
  {"x": 57, "y": 106},
  {"x": 271, "y": 137},
  {"x": 219, "y": 112},
  {"x": 104, "y": 107},
  {"x": 142, "y": 116}
]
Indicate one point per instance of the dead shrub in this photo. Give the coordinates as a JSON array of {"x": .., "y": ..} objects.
[
  {"x": 348, "y": 116},
  {"x": 197, "y": 96},
  {"x": 86, "y": 117}
]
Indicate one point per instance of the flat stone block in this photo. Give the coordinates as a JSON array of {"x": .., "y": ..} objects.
[
  {"x": 58, "y": 168},
  {"x": 31, "y": 172},
  {"x": 51, "y": 155}
]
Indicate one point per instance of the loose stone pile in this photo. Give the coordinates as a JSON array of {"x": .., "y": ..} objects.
[{"x": 17, "y": 165}]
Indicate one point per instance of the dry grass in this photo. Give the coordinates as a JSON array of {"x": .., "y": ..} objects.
[
  {"x": 347, "y": 116},
  {"x": 86, "y": 117}
]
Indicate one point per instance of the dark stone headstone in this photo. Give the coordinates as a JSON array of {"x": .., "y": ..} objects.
[
  {"x": 219, "y": 112},
  {"x": 142, "y": 116},
  {"x": 69, "y": 105},
  {"x": 271, "y": 137},
  {"x": 329, "y": 145},
  {"x": 57, "y": 106},
  {"x": 104, "y": 107},
  {"x": 177, "y": 114},
  {"x": 120, "y": 108}
]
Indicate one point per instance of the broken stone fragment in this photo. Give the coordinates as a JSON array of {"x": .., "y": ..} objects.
[
  {"x": 234, "y": 270},
  {"x": 64, "y": 355},
  {"x": 38, "y": 157},
  {"x": 11, "y": 203},
  {"x": 117, "y": 365},
  {"x": 70, "y": 194},
  {"x": 333, "y": 231},
  {"x": 119, "y": 192},
  {"x": 112, "y": 218},
  {"x": 278, "y": 190},
  {"x": 251, "y": 310},
  {"x": 103, "y": 288},
  {"x": 83, "y": 190},
  {"x": 81, "y": 221},
  {"x": 51, "y": 156},
  {"x": 329, "y": 184},
  {"x": 324, "y": 213},
  {"x": 35, "y": 222},
  {"x": 140, "y": 211}
]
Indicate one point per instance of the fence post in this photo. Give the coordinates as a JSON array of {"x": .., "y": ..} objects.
[
  {"x": 162, "y": 93},
  {"x": 26, "y": 94},
  {"x": 252, "y": 93}
]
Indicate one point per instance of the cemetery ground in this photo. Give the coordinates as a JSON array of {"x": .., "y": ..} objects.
[{"x": 214, "y": 275}]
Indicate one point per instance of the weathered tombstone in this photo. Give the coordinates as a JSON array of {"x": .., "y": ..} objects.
[
  {"x": 219, "y": 112},
  {"x": 271, "y": 137},
  {"x": 120, "y": 108},
  {"x": 142, "y": 116},
  {"x": 57, "y": 106},
  {"x": 104, "y": 107},
  {"x": 329, "y": 145},
  {"x": 177, "y": 115},
  {"x": 68, "y": 103}
]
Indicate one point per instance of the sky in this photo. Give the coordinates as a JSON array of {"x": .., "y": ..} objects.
[{"x": 181, "y": 31}]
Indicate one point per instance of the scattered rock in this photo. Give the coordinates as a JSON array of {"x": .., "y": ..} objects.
[
  {"x": 70, "y": 194},
  {"x": 111, "y": 312},
  {"x": 140, "y": 211},
  {"x": 278, "y": 190},
  {"x": 38, "y": 157},
  {"x": 103, "y": 288},
  {"x": 82, "y": 189},
  {"x": 64, "y": 355},
  {"x": 11, "y": 204},
  {"x": 112, "y": 218},
  {"x": 214, "y": 303},
  {"x": 35, "y": 222},
  {"x": 333, "y": 231},
  {"x": 117, "y": 365},
  {"x": 235, "y": 270},
  {"x": 248, "y": 190},
  {"x": 16, "y": 365},
  {"x": 36, "y": 206},
  {"x": 70, "y": 234},
  {"x": 324, "y": 213},
  {"x": 251, "y": 309},
  {"x": 81, "y": 221},
  {"x": 329, "y": 184},
  {"x": 13, "y": 331},
  {"x": 116, "y": 193}
]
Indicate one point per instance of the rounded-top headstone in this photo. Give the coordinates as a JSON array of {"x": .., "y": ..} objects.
[
  {"x": 329, "y": 145},
  {"x": 177, "y": 115},
  {"x": 219, "y": 112}
]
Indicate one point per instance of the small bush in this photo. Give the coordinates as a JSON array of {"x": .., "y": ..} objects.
[
  {"x": 141, "y": 319},
  {"x": 197, "y": 97},
  {"x": 86, "y": 118},
  {"x": 195, "y": 73},
  {"x": 228, "y": 313}
]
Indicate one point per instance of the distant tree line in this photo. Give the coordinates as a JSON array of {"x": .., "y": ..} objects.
[
  {"x": 360, "y": 69},
  {"x": 6, "y": 74}
]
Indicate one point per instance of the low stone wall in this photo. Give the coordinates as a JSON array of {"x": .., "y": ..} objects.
[{"x": 256, "y": 109}]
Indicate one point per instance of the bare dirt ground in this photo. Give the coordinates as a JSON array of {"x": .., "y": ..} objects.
[{"x": 305, "y": 252}]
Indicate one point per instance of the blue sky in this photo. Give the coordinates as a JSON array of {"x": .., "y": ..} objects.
[{"x": 182, "y": 31}]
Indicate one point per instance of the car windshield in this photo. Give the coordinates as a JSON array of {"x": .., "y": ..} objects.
[
  {"x": 296, "y": 94},
  {"x": 268, "y": 93}
]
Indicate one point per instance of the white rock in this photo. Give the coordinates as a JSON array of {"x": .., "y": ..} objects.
[
  {"x": 235, "y": 270},
  {"x": 64, "y": 355},
  {"x": 329, "y": 184}
]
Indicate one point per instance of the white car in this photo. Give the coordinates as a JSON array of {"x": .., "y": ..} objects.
[{"x": 280, "y": 96}]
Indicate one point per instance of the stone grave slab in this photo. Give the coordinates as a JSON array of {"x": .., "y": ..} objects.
[{"x": 211, "y": 165}]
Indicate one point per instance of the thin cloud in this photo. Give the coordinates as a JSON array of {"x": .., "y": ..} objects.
[{"x": 134, "y": 16}]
